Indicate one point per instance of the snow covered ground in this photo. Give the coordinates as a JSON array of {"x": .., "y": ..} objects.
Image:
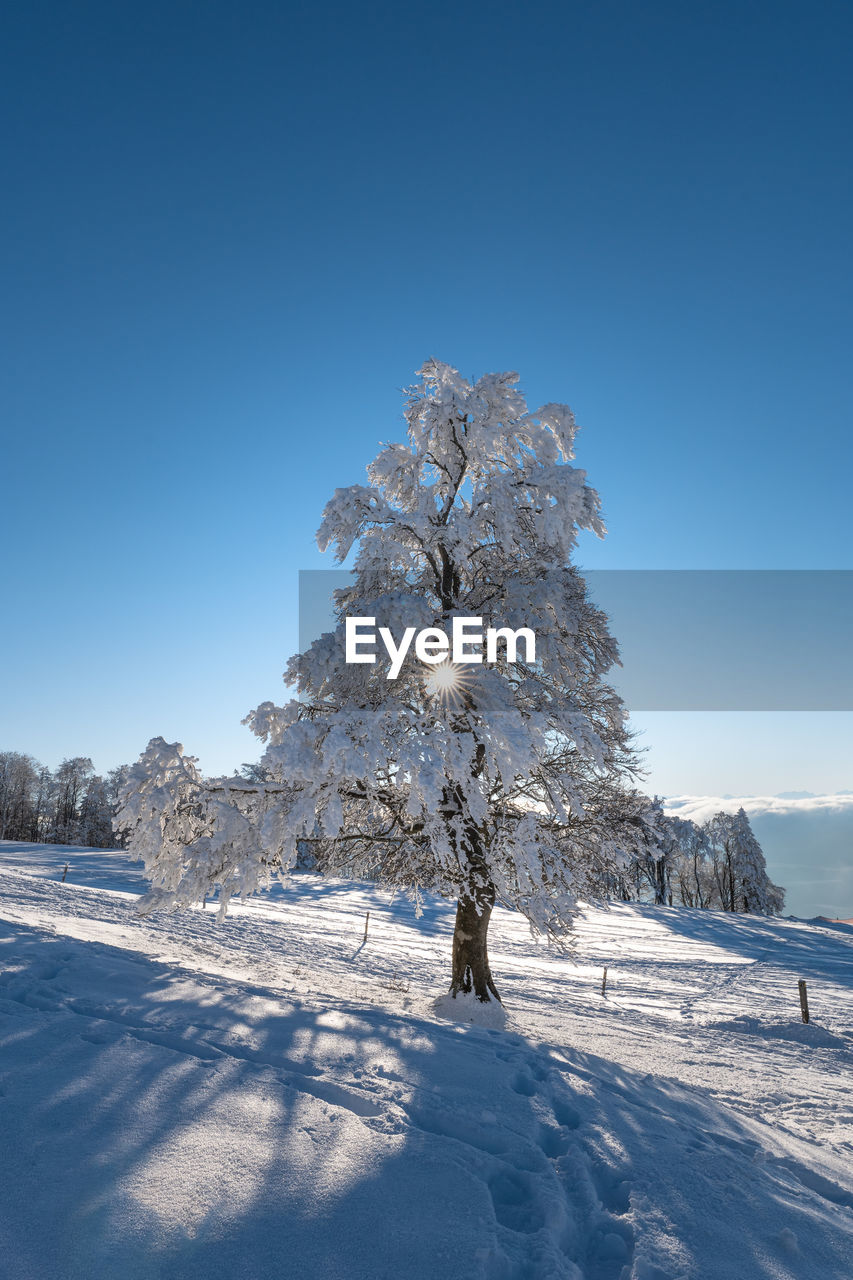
[{"x": 275, "y": 1097}]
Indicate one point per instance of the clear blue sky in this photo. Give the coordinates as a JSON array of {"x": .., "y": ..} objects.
[{"x": 231, "y": 234}]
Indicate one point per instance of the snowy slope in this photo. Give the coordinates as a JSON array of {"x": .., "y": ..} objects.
[{"x": 275, "y": 1097}]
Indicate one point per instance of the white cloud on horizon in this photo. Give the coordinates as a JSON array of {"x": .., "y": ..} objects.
[{"x": 699, "y": 808}]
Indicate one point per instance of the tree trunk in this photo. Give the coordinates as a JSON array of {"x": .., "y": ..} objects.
[
  {"x": 660, "y": 879},
  {"x": 471, "y": 970}
]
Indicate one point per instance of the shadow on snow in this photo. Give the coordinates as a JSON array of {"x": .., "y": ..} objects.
[{"x": 164, "y": 1124}]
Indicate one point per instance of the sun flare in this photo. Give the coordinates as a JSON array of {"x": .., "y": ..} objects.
[{"x": 446, "y": 681}]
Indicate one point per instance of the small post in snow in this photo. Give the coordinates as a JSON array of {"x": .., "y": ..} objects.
[
  {"x": 366, "y": 923},
  {"x": 64, "y": 874},
  {"x": 604, "y": 982},
  {"x": 804, "y": 999}
]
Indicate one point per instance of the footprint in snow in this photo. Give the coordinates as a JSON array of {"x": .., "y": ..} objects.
[
  {"x": 565, "y": 1114},
  {"x": 524, "y": 1084},
  {"x": 515, "y": 1202}
]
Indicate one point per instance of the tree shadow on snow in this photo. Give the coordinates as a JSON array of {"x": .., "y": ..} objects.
[
  {"x": 795, "y": 944},
  {"x": 164, "y": 1125}
]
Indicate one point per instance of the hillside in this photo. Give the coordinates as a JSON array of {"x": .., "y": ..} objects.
[{"x": 275, "y": 1096}]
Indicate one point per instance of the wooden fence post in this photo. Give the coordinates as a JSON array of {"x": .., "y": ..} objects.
[
  {"x": 804, "y": 999},
  {"x": 366, "y": 923},
  {"x": 604, "y": 982},
  {"x": 65, "y": 873}
]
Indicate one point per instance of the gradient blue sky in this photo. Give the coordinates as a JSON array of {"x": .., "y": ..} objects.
[{"x": 231, "y": 234}]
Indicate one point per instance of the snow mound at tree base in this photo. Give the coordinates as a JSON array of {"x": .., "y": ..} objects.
[{"x": 466, "y": 1007}]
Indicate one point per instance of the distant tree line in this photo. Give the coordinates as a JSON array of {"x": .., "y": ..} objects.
[
  {"x": 71, "y": 804},
  {"x": 673, "y": 861},
  {"x": 718, "y": 864}
]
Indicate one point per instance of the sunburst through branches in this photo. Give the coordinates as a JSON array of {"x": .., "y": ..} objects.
[{"x": 448, "y": 682}]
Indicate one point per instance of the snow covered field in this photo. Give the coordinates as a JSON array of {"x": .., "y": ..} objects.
[{"x": 274, "y": 1096}]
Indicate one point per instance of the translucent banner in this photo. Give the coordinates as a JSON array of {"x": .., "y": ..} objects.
[{"x": 700, "y": 640}]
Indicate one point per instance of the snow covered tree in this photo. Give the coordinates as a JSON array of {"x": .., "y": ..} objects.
[
  {"x": 69, "y": 786},
  {"x": 740, "y": 871},
  {"x": 495, "y": 781},
  {"x": 94, "y": 822},
  {"x": 72, "y": 805},
  {"x": 18, "y": 784},
  {"x": 650, "y": 863},
  {"x": 690, "y": 869},
  {"x": 608, "y": 845}
]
